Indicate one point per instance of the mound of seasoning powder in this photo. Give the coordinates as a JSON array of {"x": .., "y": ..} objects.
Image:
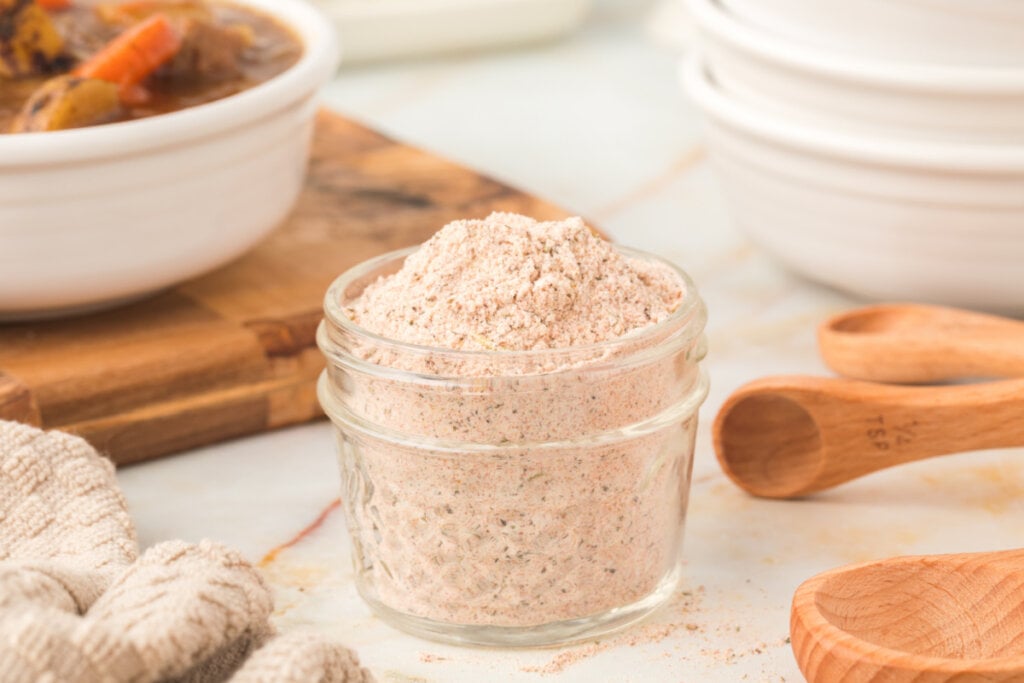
[
  {"x": 511, "y": 283},
  {"x": 544, "y": 479}
]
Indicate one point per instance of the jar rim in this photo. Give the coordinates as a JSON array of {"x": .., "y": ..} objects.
[{"x": 335, "y": 314}]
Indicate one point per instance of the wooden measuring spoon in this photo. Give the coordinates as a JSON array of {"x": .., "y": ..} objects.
[
  {"x": 915, "y": 343},
  {"x": 929, "y": 619},
  {"x": 781, "y": 437}
]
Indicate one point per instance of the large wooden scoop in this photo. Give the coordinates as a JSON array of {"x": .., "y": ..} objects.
[
  {"x": 781, "y": 437},
  {"x": 930, "y": 619}
]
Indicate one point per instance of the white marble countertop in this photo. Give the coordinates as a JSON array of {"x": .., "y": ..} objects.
[{"x": 599, "y": 125}]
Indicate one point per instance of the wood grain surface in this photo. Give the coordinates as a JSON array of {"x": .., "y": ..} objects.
[
  {"x": 233, "y": 352},
  {"x": 793, "y": 435},
  {"x": 915, "y": 343},
  {"x": 926, "y": 619}
]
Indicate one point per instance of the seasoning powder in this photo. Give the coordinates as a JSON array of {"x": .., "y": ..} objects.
[
  {"x": 528, "y": 488},
  {"x": 511, "y": 283}
]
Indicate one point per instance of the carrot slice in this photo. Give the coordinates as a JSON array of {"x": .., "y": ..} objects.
[{"x": 132, "y": 56}]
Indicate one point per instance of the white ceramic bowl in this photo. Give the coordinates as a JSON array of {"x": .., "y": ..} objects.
[
  {"x": 945, "y": 32},
  {"x": 828, "y": 88},
  {"x": 882, "y": 218},
  {"x": 94, "y": 216},
  {"x": 389, "y": 29}
]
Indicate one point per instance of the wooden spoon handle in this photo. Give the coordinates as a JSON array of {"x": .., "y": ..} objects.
[
  {"x": 866, "y": 427},
  {"x": 914, "y": 343}
]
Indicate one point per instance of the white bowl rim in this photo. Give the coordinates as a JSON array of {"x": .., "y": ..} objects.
[
  {"x": 935, "y": 157},
  {"x": 716, "y": 20},
  {"x": 318, "y": 61}
]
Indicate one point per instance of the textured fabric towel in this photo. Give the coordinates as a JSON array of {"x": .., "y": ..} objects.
[{"x": 78, "y": 605}]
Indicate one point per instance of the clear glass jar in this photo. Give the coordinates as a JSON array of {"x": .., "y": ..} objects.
[{"x": 513, "y": 498}]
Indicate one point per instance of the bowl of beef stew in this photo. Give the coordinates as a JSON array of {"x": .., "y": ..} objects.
[{"x": 145, "y": 142}]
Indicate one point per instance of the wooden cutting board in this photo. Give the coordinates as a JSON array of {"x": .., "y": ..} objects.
[{"x": 233, "y": 352}]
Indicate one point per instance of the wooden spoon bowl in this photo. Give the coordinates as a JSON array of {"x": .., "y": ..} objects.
[
  {"x": 927, "y": 619},
  {"x": 911, "y": 343},
  {"x": 781, "y": 437}
]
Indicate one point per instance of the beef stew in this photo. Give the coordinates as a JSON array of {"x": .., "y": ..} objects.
[{"x": 66, "y": 64}]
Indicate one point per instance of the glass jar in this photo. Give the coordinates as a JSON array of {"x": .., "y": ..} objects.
[{"x": 513, "y": 498}]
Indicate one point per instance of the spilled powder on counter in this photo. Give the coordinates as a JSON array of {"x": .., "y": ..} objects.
[
  {"x": 523, "y": 535},
  {"x": 685, "y": 603},
  {"x": 509, "y": 282}
]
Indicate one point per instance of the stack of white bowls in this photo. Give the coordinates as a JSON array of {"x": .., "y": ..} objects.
[{"x": 873, "y": 145}]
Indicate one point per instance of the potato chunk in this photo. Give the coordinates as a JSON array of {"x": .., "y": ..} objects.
[
  {"x": 68, "y": 102},
  {"x": 29, "y": 43}
]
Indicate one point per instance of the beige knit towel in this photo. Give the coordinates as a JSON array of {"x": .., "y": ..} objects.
[{"x": 78, "y": 605}]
